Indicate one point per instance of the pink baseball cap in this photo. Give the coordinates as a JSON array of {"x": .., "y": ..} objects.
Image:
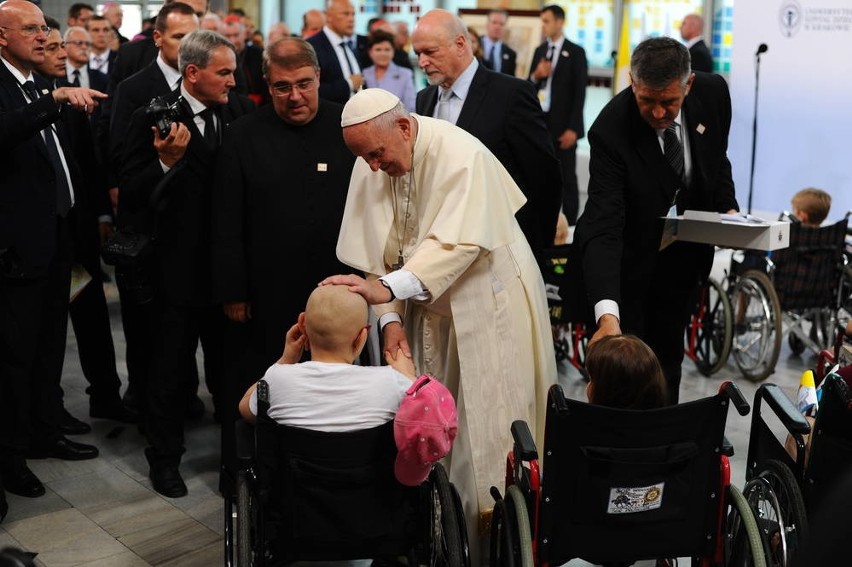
[{"x": 424, "y": 429}]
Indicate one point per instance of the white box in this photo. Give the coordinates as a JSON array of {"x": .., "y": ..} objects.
[{"x": 712, "y": 228}]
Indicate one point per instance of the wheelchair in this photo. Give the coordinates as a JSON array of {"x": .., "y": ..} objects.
[
  {"x": 804, "y": 283},
  {"x": 304, "y": 495},
  {"x": 830, "y": 453},
  {"x": 624, "y": 485}
]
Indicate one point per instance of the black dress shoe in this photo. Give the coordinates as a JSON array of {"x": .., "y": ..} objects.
[
  {"x": 115, "y": 410},
  {"x": 19, "y": 479},
  {"x": 70, "y": 425},
  {"x": 64, "y": 449},
  {"x": 194, "y": 408},
  {"x": 167, "y": 481}
]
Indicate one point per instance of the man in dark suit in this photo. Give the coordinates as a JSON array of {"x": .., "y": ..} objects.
[
  {"x": 654, "y": 152},
  {"x": 691, "y": 30},
  {"x": 37, "y": 195},
  {"x": 498, "y": 56},
  {"x": 560, "y": 72},
  {"x": 249, "y": 60},
  {"x": 271, "y": 214},
  {"x": 101, "y": 57},
  {"x": 88, "y": 311},
  {"x": 500, "y": 110},
  {"x": 341, "y": 53},
  {"x": 159, "y": 77},
  {"x": 170, "y": 183}
]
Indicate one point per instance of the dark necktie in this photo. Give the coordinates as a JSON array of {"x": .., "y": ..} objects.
[
  {"x": 209, "y": 128},
  {"x": 673, "y": 149},
  {"x": 489, "y": 61},
  {"x": 76, "y": 75},
  {"x": 550, "y": 47},
  {"x": 347, "y": 50},
  {"x": 63, "y": 189}
]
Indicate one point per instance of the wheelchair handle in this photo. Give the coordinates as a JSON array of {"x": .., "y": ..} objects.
[
  {"x": 783, "y": 407},
  {"x": 524, "y": 443},
  {"x": 732, "y": 391}
]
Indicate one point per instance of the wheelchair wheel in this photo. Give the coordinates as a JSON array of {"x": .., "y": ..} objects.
[
  {"x": 797, "y": 347},
  {"x": 246, "y": 508},
  {"x": 757, "y": 325},
  {"x": 710, "y": 329},
  {"x": 511, "y": 542},
  {"x": 775, "y": 497},
  {"x": 462, "y": 523},
  {"x": 446, "y": 540},
  {"x": 743, "y": 542}
]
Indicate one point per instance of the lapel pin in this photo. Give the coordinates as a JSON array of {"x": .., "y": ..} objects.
[
  {"x": 44, "y": 91},
  {"x": 322, "y": 167},
  {"x": 565, "y": 53},
  {"x": 700, "y": 128}
]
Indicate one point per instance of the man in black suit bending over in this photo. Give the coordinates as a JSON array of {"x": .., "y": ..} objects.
[
  {"x": 500, "y": 110},
  {"x": 498, "y": 56},
  {"x": 691, "y": 30},
  {"x": 170, "y": 178},
  {"x": 39, "y": 185},
  {"x": 560, "y": 72},
  {"x": 659, "y": 147}
]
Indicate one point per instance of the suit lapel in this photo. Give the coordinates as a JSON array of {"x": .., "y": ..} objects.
[
  {"x": 430, "y": 99},
  {"x": 13, "y": 90},
  {"x": 475, "y": 97},
  {"x": 694, "y": 112}
]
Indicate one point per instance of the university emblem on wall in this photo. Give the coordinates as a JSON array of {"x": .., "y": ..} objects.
[{"x": 790, "y": 18}]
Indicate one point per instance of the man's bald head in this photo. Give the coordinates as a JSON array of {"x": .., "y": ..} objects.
[
  {"x": 692, "y": 26},
  {"x": 22, "y": 35},
  {"x": 333, "y": 317},
  {"x": 442, "y": 47}
]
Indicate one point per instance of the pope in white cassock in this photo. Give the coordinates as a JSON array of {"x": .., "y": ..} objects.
[{"x": 430, "y": 219}]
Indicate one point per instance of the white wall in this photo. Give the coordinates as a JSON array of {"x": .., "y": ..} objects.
[{"x": 805, "y": 104}]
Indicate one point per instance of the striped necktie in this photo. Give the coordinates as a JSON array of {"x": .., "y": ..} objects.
[{"x": 673, "y": 149}]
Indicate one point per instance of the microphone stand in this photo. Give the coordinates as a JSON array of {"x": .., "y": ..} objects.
[{"x": 754, "y": 126}]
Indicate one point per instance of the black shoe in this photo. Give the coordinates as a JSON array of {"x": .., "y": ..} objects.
[
  {"x": 64, "y": 449},
  {"x": 116, "y": 410},
  {"x": 167, "y": 481},
  {"x": 70, "y": 425},
  {"x": 194, "y": 408},
  {"x": 19, "y": 479}
]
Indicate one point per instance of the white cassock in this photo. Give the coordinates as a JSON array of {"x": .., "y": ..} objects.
[{"x": 485, "y": 329}]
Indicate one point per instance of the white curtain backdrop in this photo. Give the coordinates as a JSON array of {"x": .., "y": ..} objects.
[{"x": 805, "y": 101}]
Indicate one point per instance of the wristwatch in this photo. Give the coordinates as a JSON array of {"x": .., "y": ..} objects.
[{"x": 388, "y": 287}]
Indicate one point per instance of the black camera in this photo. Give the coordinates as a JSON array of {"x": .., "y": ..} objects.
[{"x": 162, "y": 114}]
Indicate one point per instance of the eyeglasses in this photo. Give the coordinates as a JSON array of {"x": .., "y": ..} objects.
[
  {"x": 30, "y": 30},
  {"x": 79, "y": 43},
  {"x": 303, "y": 86}
]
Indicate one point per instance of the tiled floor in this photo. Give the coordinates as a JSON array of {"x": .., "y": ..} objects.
[{"x": 103, "y": 512}]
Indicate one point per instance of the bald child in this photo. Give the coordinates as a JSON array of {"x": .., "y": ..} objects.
[{"x": 329, "y": 393}]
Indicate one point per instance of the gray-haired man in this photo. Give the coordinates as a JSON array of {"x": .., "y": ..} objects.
[{"x": 180, "y": 165}]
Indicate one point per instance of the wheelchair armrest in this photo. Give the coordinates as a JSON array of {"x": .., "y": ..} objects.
[
  {"x": 733, "y": 392},
  {"x": 524, "y": 443},
  {"x": 783, "y": 407},
  {"x": 245, "y": 441},
  {"x": 727, "y": 447}
]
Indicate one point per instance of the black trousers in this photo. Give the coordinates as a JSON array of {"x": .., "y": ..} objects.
[
  {"x": 90, "y": 320},
  {"x": 570, "y": 188},
  {"x": 175, "y": 332},
  {"x": 33, "y": 326}
]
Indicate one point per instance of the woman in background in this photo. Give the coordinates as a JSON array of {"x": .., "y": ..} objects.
[{"x": 386, "y": 74}]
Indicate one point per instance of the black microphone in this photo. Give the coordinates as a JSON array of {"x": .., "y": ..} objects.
[
  {"x": 762, "y": 48},
  {"x": 613, "y": 55}
]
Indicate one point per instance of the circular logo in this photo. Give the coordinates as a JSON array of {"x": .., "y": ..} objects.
[
  {"x": 652, "y": 495},
  {"x": 790, "y": 18}
]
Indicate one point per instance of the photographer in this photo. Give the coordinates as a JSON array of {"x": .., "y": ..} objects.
[{"x": 178, "y": 161}]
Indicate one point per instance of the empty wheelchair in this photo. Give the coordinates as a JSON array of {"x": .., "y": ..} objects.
[
  {"x": 772, "y": 485},
  {"x": 317, "y": 496},
  {"x": 625, "y": 485}
]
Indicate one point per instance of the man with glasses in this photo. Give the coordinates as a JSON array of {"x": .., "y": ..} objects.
[
  {"x": 180, "y": 167},
  {"x": 271, "y": 214},
  {"x": 38, "y": 190},
  {"x": 78, "y": 42}
]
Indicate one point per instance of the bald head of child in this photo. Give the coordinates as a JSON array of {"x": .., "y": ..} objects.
[{"x": 335, "y": 323}]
